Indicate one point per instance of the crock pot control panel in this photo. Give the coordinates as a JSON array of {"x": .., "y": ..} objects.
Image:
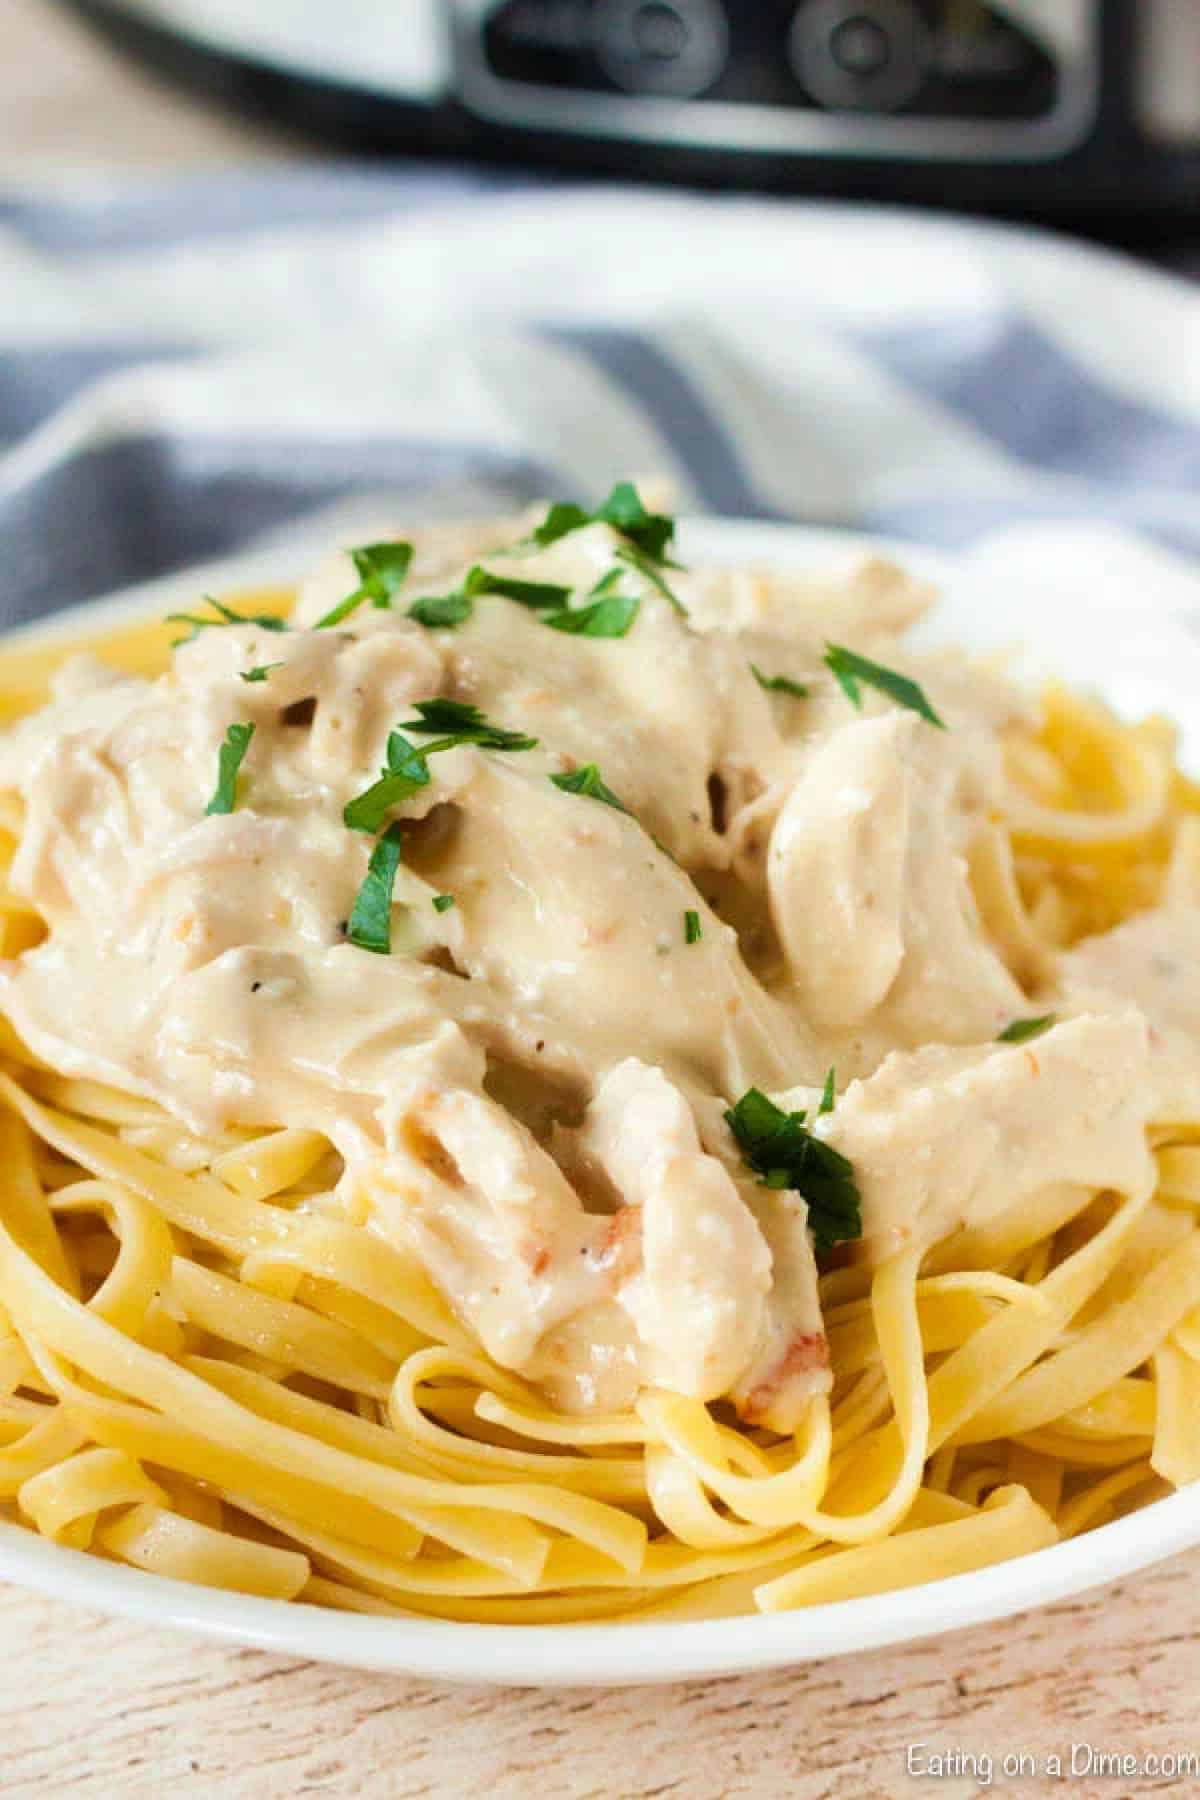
[{"x": 920, "y": 78}]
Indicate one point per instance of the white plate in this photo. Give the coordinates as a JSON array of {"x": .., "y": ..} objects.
[{"x": 1122, "y": 643}]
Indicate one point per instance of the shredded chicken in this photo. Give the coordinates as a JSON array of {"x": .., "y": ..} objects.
[{"x": 531, "y": 1085}]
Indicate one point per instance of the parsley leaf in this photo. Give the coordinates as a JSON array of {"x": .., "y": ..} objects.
[
  {"x": 442, "y": 611},
  {"x": 609, "y": 617},
  {"x": 443, "y": 902},
  {"x": 608, "y": 582},
  {"x": 588, "y": 780},
  {"x": 784, "y": 1154},
  {"x": 691, "y": 927},
  {"x": 370, "y": 923},
  {"x": 779, "y": 684},
  {"x": 461, "y": 723},
  {"x": 408, "y": 767},
  {"x": 647, "y": 536},
  {"x": 342, "y": 610},
  {"x": 226, "y": 616},
  {"x": 562, "y": 518},
  {"x": 407, "y": 771},
  {"x": 448, "y": 610},
  {"x": 650, "y": 533},
  {"x": 1021, "y": 1030},
  {"x": 405, "y": 759},
  {"x": 849, "y": 669},
  {"x": 229, "y": 761},
  {"x": 259, "y": 673},
  {"x": 828, "y": 1094},
  {"x": 624, "y": 511},
  {"x": 648, "y": 572},
  {"x": 381, "y": 570},
  {"x": 539, "y": 596}
]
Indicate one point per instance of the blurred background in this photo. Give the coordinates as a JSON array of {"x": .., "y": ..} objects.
[
  {"x": 261, "y": 259},
  {"x": 1086, "y": 112}
]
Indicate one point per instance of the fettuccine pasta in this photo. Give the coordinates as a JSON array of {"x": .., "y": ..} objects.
[{"x": 538, "y": 1085}]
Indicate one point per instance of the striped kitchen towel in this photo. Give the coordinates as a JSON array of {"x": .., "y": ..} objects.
[{"x": 187, "y": 368}]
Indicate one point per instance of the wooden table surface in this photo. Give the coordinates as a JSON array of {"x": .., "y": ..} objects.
[
  {"x": 93, "y": 1706},
  {"x": 96, "y": 1707}
]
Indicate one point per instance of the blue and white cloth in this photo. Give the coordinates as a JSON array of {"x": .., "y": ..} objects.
[{"x": 186, "y": 368}]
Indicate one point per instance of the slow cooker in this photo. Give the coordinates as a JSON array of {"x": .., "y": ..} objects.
[{"x": 1043, "y": 107}]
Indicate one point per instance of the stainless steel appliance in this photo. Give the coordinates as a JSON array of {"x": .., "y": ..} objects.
[{"x": 1083, "y": 107}]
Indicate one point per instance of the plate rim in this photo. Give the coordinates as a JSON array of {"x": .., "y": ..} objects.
[
  {"x": 609, "y": 1654},
  {"x": 606, "y": 1654}
]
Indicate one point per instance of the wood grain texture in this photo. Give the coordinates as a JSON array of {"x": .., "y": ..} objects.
[{"x": 97, "y": 1707}]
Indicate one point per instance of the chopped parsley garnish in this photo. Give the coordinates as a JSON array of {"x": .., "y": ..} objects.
[
  {"x": 443, "y": 902},
  {"x": 649, "y": 533},
  {"x": 784, "y": 1154},
  {"x": 342, "y": 610},
  {"x": 225, "y": 616},
  {"x": 259, "y": 672},
  {"x": 652, "y": 533},
  {"x": 449, "y": 610},
  {"x": 609, "y": 617},
  {"x": 229, "y": 761},
  {"x": 563, "y": 517},
  {"x": 589, "y": 781},
  {"x": 691, "y": 927},
  {"x": 539, "y": 596},
  {"x": 607, "y": 583},
  {"x": 460, "y": 723},
  {"x": 408, "y": 767},
  {"x": 405, "y": 773},
  {"x": 381, "y": 570},
  {"x": 1021, "y": 1030},
  {"x": 647, "y": 538},
  {"x": 648, "y": 572},
  {"x": 370, "y": 923},
  {"x": 442, "y": 612},
  {"x": 849, "y": 669},
  {"x": 828, "y": 1094},
  {"x": 779, "y": 684}
]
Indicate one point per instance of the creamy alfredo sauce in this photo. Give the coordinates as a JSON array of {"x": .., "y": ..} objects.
[{"x": 531, "y": 1085}]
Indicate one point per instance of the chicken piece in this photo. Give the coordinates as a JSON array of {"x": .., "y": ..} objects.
[
  {"x": 698, "y": 1298},
  {"x": 790, "y": 1361},
  {"x": 1150, "y": 961},
  {"x": 494, "y": 1220},
  {"x": 941, "y": 1137},
  {"x": 570, "y": 910},
  {"x": 867, "y": 604},
  {"x": 441, "y": 552},
  {"x": 658, "y": 712},
  {"x": 870, "y": 893}
]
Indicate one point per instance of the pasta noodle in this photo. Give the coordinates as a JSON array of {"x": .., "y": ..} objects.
[{"x": 210, "y": 1370}]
